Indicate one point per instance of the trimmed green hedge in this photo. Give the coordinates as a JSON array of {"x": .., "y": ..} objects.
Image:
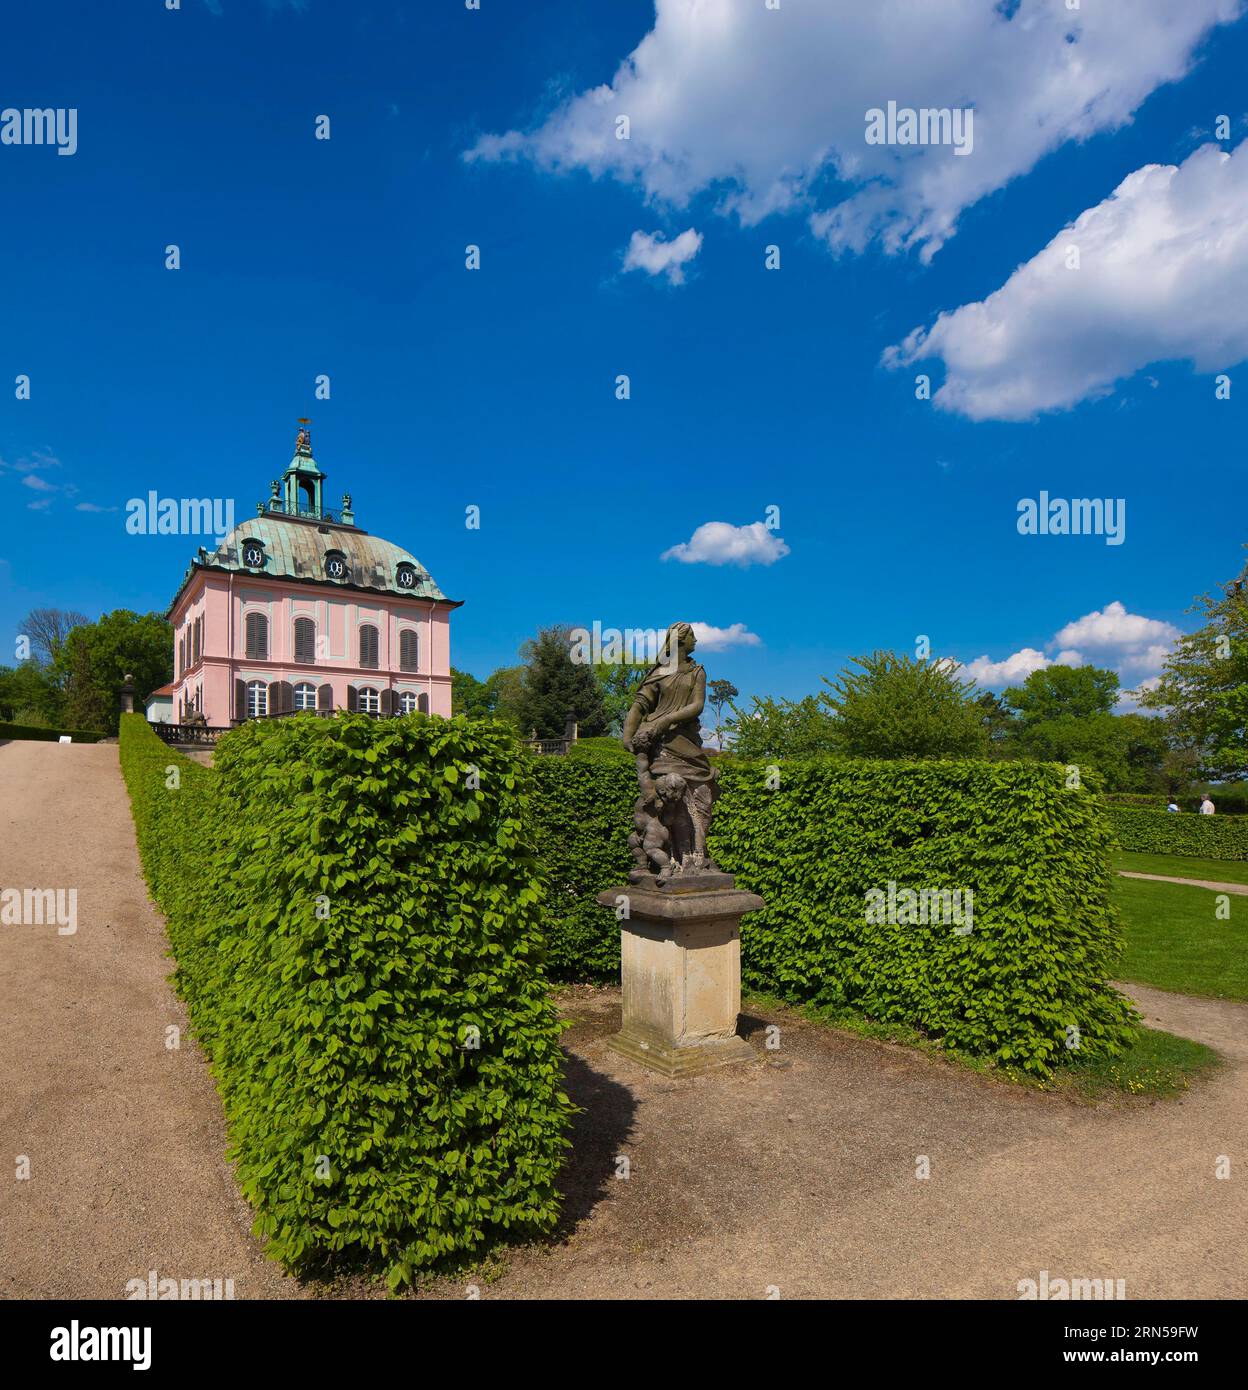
[
  {"x": 1168, "y": 832},
  {"x": 609, "y": 750},
  {"x": 33, "y": 731},
  {"x": 583, "y": 819},
  {"x": 1035, "y": 855},
  {"x": 352, "y": 904}
]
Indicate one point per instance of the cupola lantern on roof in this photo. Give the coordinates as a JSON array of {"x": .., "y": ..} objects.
[{"x": 303, "y": 480}]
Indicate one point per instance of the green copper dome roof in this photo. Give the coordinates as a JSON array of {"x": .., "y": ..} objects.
[
  {"x": 295, "y": 537},
  {"x": 301, "y": 550}
]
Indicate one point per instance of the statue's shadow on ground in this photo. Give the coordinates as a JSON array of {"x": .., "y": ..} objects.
[
  {"x": 598, "y": 1134},
  {"x": 749, "y": 1026}
]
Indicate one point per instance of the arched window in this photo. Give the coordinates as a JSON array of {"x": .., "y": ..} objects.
[
  {"x": 305, "y": 696},
  {"x": 409, "y": 650},
  {"x": 257, "y": 699},
  {"x": 305, "y": 641},
  {"x": 368, "y": 646},
  {"x": 409, "y": 702},
  {"x": 423, "y": 704},
  {"x": 369, "y": 700},
  {"x": 257, "y": 636}
]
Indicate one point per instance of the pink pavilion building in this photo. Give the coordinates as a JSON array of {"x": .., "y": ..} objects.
[{"x": 297, "y": 609}]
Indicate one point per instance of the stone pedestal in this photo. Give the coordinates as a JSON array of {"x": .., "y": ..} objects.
[{"x": 680, "y": 953}]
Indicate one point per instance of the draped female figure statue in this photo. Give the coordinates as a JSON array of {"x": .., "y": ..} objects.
[{"x": 678, "y": 784}]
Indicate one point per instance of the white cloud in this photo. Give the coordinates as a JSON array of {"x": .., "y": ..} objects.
[
  {"x": 766, "y": 108},
  {"x": 716, "y": 639},
  {"x": 721, "y": 543},
  {"x": 1113, "y": 628},
  {"x": 29, "y": 469},
  {"x": 31, "y": 463},
  {"x": 1129, "y": 643},
  {"x": 92, "y": 507},
  {"x": 1163, "y": 276},
  {"x": 658, "y": 257},
  {"x": 1012, "y": 671}
]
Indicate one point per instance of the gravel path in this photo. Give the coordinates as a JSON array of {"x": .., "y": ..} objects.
[
  {"x": 1189, "y": 882},
  {"x": 795, "y": 1174},
  {"x": 801, "y": 1176},
  {"x": 125, "y": 1137}
]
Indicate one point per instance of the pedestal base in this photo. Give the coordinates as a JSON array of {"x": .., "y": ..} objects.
[
  {"x": 680, "y": 955},
  {"x": 691, "y": 1060}
]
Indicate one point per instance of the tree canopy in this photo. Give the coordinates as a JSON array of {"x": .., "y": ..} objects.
[
  {"x": 556, "y": 688},
  {"x": 775, "y": 728},
  {"x": 1077, "y": 692},
  {"x": 92, "y": 663},
  {"x": 1203, "y": 687},
  {"x": 900, "y": 707}
]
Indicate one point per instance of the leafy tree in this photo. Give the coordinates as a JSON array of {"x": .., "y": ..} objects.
[
  {"x": 619, "y": 682},
  {"x": 29, "y": 695},
  {"x": 556, "y": 687},
  {"x": 499, "y": 696},
  {"x": 505, "y": 692},
  {"x": 1056, "y": 692},
  {"x": 94, "y": 659},
  {"x": 782, "y": 729},
  {"x": 470, "y": 696},
  {"x": 1129, "y": 750},
  {"x": 1203, "y": 687},
  {"x": 47, "y": 629},
  {"x": 998, "y": 725},
  {"x": 719, "y": 694},
  {"x": 899, "y": 707}
]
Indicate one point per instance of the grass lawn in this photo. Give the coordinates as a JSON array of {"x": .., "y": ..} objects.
[
  {"x": 1175, "y": 942},
  {"x": 1179, "y": 866},
  {"x": 1160, "y": 1064}
]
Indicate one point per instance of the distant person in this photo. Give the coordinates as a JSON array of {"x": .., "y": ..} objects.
[
  {"x": 1173, "y": 806},
  {"x": 1206, "y": 806}
]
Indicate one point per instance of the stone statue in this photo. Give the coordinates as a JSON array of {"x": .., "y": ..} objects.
[{"x": 678, "y": 785}]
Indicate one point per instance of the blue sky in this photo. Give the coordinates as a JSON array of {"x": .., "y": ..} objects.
[{"x": 750, "y": 388}]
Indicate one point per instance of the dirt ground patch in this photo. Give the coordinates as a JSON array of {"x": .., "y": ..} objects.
[
  {"x": 797, "y": 1173},
  {"x": 125, "y": 1137}
]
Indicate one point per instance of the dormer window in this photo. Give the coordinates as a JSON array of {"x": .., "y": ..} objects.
[
  {"x": 405, "y": 576},
  {"x": 336, "y": 565},
  {"x": 253, "y": 554}
]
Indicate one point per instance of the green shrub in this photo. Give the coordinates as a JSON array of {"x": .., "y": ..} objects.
[
  {"x": 1035, "y": 855},
  {"x": 609, "y": 750},
  {"x": 349, "y": 909},
  {"x": 1165, "y": 832},
  {"x": 583, "y": 815},
  {"x": 36, "y": 731}
]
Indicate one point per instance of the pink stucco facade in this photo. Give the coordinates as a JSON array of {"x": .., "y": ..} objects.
[
  {"x": 218, "y": 673},
  {"x": 217, "y": 659}
]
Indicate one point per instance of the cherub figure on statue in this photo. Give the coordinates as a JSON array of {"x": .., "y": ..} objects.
[{"x": 678, "y": 784}]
